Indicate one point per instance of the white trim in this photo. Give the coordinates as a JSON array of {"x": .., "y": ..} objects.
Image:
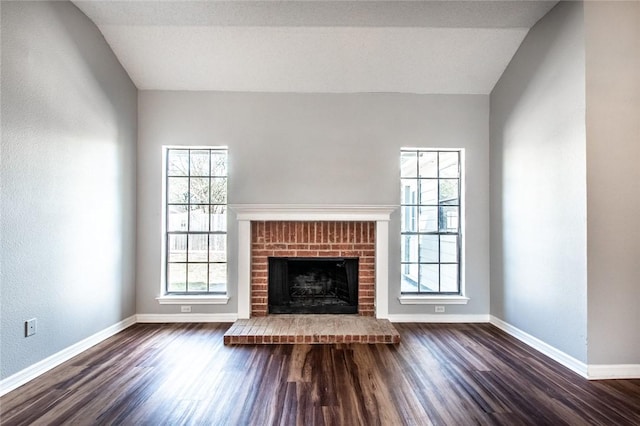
[
  {"x": 180, "y": 318},
  {"x": 557, "y": 355},
  {"x": 187, "y": 146},
  {"x": 431, "y": 148},
  {"x": 21, "y": 377},
  {"x": 382, "y": 270},
  {"x": 438, "y": 318},
  {"x": 312, "y": 212},
  {"x": 193, "y": 300},
  {"x": 244, "y": 269},
  {"x": 614, "y": 371},
  {"x": 433, "y": 300},
  {"x": 245, "y": 213}
]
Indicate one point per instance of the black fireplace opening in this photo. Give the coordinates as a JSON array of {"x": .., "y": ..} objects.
[{"x": 299, "y": 285}]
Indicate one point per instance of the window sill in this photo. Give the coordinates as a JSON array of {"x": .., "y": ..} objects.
[
  {"x": 433, "y": 300},
  {"x": 204, "y": 299}
]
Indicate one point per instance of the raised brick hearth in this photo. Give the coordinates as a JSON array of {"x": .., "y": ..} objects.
[
  {"x": 311, "y": 329},
  {"x": 327, "y": 239}
]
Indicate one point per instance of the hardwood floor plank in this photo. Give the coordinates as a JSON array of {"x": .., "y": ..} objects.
[{"x": 441, "y": 374}]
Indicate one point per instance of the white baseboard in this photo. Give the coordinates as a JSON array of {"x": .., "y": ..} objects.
[
  {"x": 175, "y": 318},
  {"x": 437, "y": 318},
  {"x": 21, "y": 377},
  {"x": 557, "y": 355},
  {"x": 614, "y": 371}
]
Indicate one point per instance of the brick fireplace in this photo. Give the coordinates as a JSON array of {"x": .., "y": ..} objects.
[
  {"x": 313, "y": 239},
  {"x": 323, "y": 231}
]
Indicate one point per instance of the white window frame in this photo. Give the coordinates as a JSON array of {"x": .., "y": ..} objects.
[
  {"x": 436, "y": 298},
  {"x": 196, "y": 298}
]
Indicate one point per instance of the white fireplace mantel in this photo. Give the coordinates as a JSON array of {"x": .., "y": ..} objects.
[
  {"x": 308, "y": 212},
  {"x": 246, "y": 213}
]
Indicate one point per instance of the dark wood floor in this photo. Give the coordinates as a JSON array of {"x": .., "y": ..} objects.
[{"x": 439, "y": 374}]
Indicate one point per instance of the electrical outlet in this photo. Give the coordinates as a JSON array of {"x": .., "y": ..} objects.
[
  {"x": 185, "y": 308},
  {"x": 30, "y": 327},
  {"x": 439, "y": 309}
]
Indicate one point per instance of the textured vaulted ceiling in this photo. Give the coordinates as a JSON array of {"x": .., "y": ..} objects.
[{"x": 316, "y": 46}]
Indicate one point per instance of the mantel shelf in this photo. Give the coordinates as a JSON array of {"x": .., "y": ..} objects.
[{"x": 326, "y": 212}]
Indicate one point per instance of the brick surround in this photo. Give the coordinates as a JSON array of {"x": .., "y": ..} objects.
[{"x": 312, "y": 239}]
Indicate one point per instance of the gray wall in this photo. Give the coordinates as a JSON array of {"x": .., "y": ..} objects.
[
  {"x": 315, "y": 149},
  {"x": 67, "y": 250},
  {"x": 613, "y": 180},
  {"x": 538, "y": 185}
]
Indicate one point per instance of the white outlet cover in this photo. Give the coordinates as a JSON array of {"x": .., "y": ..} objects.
[{"x": 31, "y": 327}]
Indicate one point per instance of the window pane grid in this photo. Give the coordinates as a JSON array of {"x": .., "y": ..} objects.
[
  {"x": 195, "y": 224},
  {"x": 430, "y": 230}
]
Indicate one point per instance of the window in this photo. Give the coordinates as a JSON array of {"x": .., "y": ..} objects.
[
  {"x": 430, "y": 221},
  {"x": 196, "y": 221}
]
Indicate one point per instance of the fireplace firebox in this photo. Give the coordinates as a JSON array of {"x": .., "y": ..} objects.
[{"x": 299, "y": 285}]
